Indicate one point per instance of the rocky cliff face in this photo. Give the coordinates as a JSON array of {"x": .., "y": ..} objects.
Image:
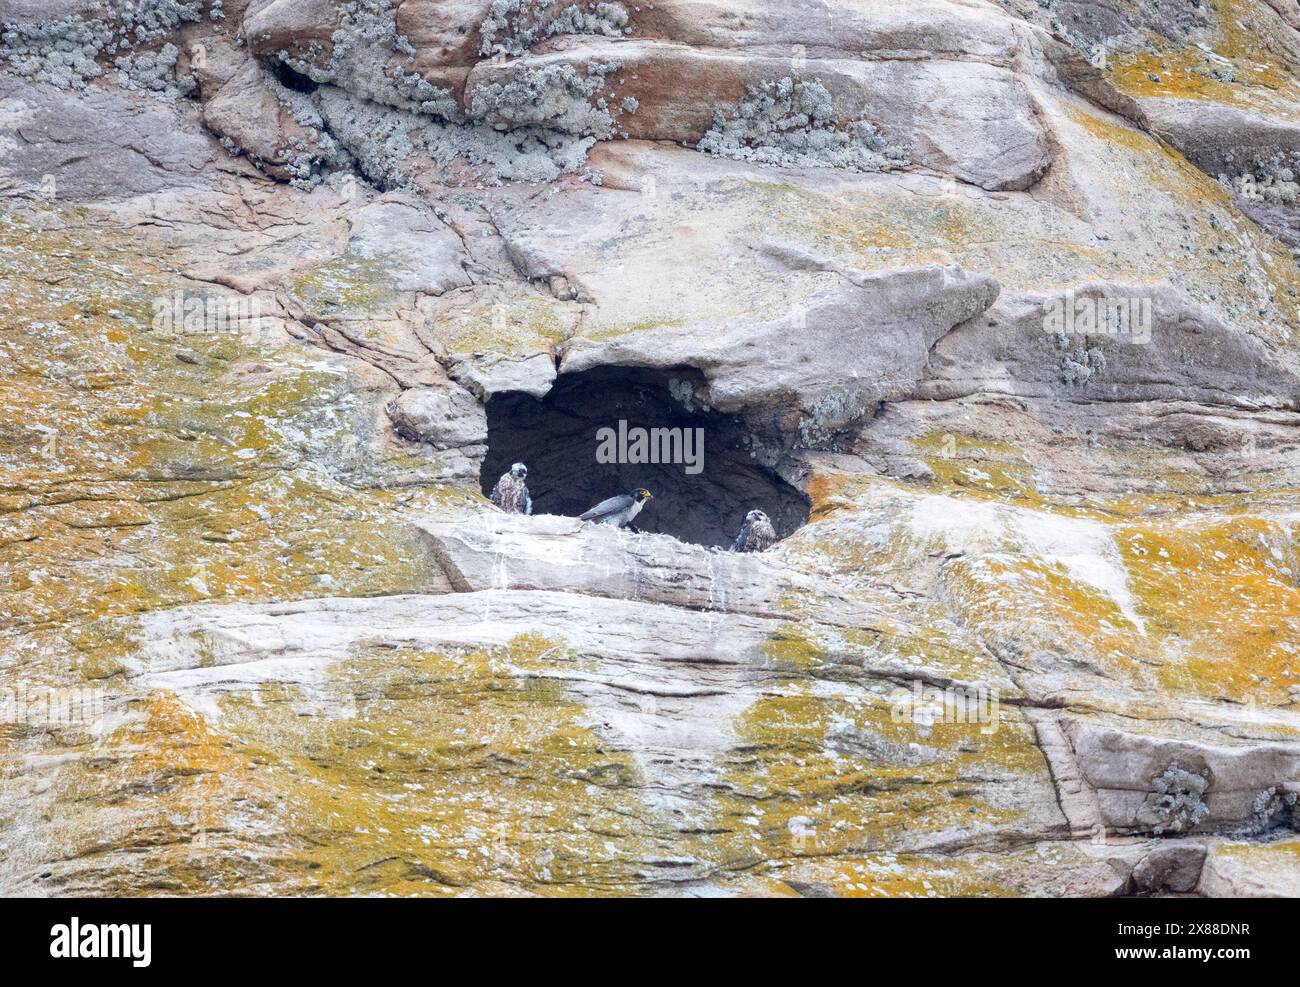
[{"x": 993, "y": 307}]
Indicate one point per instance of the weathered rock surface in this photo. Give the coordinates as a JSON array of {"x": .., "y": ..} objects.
[
  {"x": 444, "y": 417},
  {"x": 1217, "y": 83},
  {"x": 269, "y": 280},
  {"x": 1236, "y": 870},
  {"x": 1185, "y": 352},
  {"x": 55, "y": 144}
]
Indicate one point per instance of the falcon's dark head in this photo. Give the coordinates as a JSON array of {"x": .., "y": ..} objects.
[
  {"x": 754, "y": 517},
  {"x": 519, "y": 470},
  {"x": 641, "y": 496}
]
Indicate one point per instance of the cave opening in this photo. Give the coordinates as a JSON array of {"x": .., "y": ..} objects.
[
  {"x": 712, "y": 479},
  {"x": 292, "y": 79}
]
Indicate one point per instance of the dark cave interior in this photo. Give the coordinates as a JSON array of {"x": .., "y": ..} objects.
[
  {"x": 292, "y": 79},
  {"x": 557, "y": 438}
]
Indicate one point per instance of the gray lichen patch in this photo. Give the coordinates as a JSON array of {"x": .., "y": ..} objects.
[
  {"x": 379, "y": 138},
  {"x": 153, "y": 71},
  {"x": 385, "y": 142},
  {"x": 1272, "y": 181},
  {"x": 1080, "y": 364},
  {"x": 531, "y": 127},
  {"x": 319, "y": 148},
  {"x": 62, "y": 53},
  {"x": 793, "y": 123},
  {"x": 362, "y": 48},
  {"x": 1181, "y": 806},
  {"x": 1274, "y": 808},
  {"x": 828, "y": 417},
  {"x": 511, "y": 27},
  {"x": 361, "y": 83},
  {"x": 356, "y": 101},
  {"x": 66, "y": 52},
  {"x": 554, "y": 97}
]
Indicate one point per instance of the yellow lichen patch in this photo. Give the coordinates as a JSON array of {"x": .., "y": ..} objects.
[
  {"x": 1161, "y": 504},
  {"x": 181, "y": 749},
  {"x": 1241, "y": 65},
  {"x": 871, "y": 229},
  {"x": 346, "y": 284},
  {"x": 795, "y": 645},
  {"x": 511, "y": 325},
  {"x": 165, "y": 783},
  {"x": 606, "y": 333},
  {"x": 830, "y": 492},
  {"x": 1160, "y": 163},
  {"x": 1028, "y": 605},
  {"x": 1043, "y": 869},
  {"x": 935, "y": 643},
  {"x": 1222, "y": 594},
  {"x": 275, "y": 537},
  {"x": 1268, "y": 868},
  {"x": 982, "y": 467},
  {"x": 922, "y": 636},
  {"x": 888, "y": 875},
  {"x": 410, "y": 772},
  {"x": 963, "y": 467},
  {"x": 138, "y": 479},
  {"x": 1191, "y": 74},
  {"x": 1137, "y": 589},
  {"x": 891, "y": 224},
  {"x": 817, "y": 774},
  {"x": 1199, "y": 599},
  {"x": 868, "y": 231},
  {"x": 1284, "y": 853}
]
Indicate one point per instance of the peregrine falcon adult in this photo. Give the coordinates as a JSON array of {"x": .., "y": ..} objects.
[
  {"x": 756, "y": 534},
  {"x": 511, "y": 492},
  {"x": 620, "y": 510}
]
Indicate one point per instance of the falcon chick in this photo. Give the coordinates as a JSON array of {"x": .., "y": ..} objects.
[
  {"x": 756, "y": 534},
  {"x": 511, "y": 492},
  {"x": 620, "y": 510}
]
